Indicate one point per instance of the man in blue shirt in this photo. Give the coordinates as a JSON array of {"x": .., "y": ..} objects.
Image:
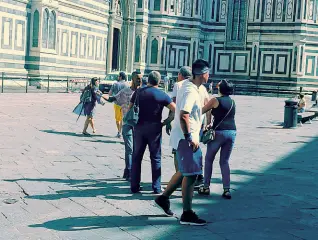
[{"x": 148, "y": 130}]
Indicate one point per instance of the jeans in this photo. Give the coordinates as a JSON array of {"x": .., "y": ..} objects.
[
  {"x": 147, "y": 134},
  {"x": 128, "y": 139},
  {"x": 224, "y": 140}
]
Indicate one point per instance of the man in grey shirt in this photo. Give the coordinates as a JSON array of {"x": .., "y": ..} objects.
[{"x": 116, "y": 88}]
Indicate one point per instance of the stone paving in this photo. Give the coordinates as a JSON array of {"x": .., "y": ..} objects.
[{"x": 57, "y": 184}]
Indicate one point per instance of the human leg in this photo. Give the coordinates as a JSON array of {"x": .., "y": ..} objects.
[
  {"x": 86, "y": 125},
  {"x": 225, "y": 154},
  {"x": 139, "y": 148},
  {"x": 128, "y": 139},
  {"x": 212, "y": 148},
  {"x": 154, "y": 139}
]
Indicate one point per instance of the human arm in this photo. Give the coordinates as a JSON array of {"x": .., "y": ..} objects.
[
  {"x": 169, "y": 119},
  {"x": 187, "y": 103},
  {"x": 213, "y": 103},
  {"x": 108, "y": 98},
  {"x": 185, "y": 126}
]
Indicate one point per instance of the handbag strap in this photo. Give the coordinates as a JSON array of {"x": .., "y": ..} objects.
[{"x": 225, "y": 116}]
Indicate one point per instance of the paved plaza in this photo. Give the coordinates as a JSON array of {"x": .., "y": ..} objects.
[{"x": 57, "y": 184}]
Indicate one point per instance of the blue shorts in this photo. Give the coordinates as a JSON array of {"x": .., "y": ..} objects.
[{"x": 189, "y": 162}]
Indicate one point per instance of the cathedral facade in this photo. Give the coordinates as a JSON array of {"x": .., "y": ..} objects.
[{"x": 263, "y": 41}]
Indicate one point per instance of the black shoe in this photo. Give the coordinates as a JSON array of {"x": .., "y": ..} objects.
[
  {"x": 136, "y": 190},
  {"x": 190, "y": 218},
  {"x": 164, "y": 203},
  {"x": 125, "y": 173}
]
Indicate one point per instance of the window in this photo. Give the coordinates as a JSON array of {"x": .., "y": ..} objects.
[
  {"x": 157, "y": 5},
  {"x": 147, "y": 46},
  {"x": 163, "y": 50},
  {"x": 35, "y": 31},
  {"x": 45, "y": 28},
  {"x": 140, "y": 3},
  {"x": 166, "y": 5},
  {"x": 52, "y": 30},
  {"x": 137, "y": 50},
  {"x": 236, "y": 30},
  {"x": 196, "y": 7},
  {"x": 154, "y": 51},
  {"x": 49, "y": 29},
  {"x": 210, "y": 54},
  {"x": 193, "y": 53}
]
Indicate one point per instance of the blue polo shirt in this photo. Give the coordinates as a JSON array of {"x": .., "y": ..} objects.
[{"x": 151, "y": 104}]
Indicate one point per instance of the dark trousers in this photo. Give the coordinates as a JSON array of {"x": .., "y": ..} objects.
[{"x": 147, "y": 134}]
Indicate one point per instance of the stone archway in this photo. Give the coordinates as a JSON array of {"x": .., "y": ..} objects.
[{"x": 121, "y": 31}]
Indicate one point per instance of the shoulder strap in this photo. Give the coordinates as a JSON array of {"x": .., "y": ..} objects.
[{"x": 225, "y": 116}]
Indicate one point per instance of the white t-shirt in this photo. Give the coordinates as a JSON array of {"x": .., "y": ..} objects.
[
  {"x": 189, "y": 100},
  {"x": 203, "y": 92}
]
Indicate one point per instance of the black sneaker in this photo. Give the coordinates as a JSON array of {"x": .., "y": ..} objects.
[
  {"x": 190, "y": 218},
  {"x": 136, "y": 190},
  {"x": 164, "y": 203}
]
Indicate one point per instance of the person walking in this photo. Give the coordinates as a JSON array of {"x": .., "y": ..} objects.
[
  {"x": 223, "y": 111},
  {"x": 116, "y": 87},
  {"x": 123, "y": 100},
  {"x": 183, "y": 76},
  {"x": 185, "y": 138},
  {"x": 166, "y": 81},
  {"x": 89, "y": 98},
  {"x": 148, "y": 131}
]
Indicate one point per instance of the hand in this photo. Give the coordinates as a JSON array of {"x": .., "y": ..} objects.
[
  {"x": 195, "y": 145},
  {"x": 209, "y": 126},
  {"x": 168, "y": 128}
]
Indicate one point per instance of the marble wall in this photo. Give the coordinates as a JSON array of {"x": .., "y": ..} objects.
[{"x": 261, "y": 41}]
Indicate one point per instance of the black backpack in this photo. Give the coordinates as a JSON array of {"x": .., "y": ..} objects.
[{"x": 86, "y": 95}]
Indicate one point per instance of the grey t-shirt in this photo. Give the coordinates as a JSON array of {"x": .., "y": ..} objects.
[{"x": 117, "y": 87}]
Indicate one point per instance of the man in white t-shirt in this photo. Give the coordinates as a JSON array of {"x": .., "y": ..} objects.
[
  {"x": 184, "y": 76},
  {"x": 185, "y": 139}
]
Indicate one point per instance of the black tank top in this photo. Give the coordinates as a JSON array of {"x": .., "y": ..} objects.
[{"x": 225, "y": 103}]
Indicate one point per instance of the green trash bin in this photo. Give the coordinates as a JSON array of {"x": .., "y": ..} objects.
[
  {"x": 290, "y": 113},
  {"x": 314, "y": 96}
]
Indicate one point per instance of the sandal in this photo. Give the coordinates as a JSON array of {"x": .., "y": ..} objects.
[
  {"x": 203, "y": 190},
  {"x": 227, "y": 194}
]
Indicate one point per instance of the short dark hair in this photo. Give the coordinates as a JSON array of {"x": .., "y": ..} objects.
[
  {"x": 226, "y": 87},
  {"x": 154, "y": 78},
  {"x": 123, "y": 75},
  {"x": 199, "y": 65},
  {"x": 301, "y": 95}
]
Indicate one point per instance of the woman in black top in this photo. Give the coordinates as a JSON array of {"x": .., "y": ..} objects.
[{"x": 223, "y": 111}]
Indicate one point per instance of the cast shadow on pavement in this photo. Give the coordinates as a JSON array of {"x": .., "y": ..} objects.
[
  {"x": 106, "y": 141},
  {"x": 97, "y": 222},
  {"x": 73, "y": 134},
  {"x": 277, "y": 202},
  {"x": 113, "y": 188}
]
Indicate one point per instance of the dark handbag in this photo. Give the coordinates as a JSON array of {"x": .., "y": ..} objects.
[
  {"x": 209, "y": 134},
  {"x": 132, "y": 116}
]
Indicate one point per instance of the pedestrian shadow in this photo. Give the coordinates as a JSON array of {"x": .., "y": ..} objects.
[
  {"x": 73, "y": 134},
  {"x": 113, "y": 188},
  {"x": 97, "y": 222},
  {"x": 106, "y": 141}
]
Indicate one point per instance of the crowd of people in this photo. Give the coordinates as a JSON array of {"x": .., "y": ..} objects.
[{"x": 191, "y": 111}]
